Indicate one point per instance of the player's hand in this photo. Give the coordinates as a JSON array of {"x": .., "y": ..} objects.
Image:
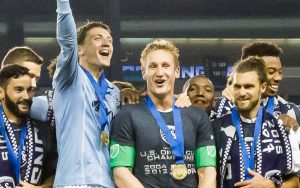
[
  {"x": 228, "y": 93},
  {"x": 24, "y": 184},
  {"x": 131, "y": 96},
  {"x": 258, "y": 181},
  {"x": 182, "y": 100},
  {"x": 289, "y": 122}
]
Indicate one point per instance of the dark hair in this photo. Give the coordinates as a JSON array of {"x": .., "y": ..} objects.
[
  {"x": 81, "y": 31},
  {"x": 20, "y": 54},
  {"x": 261, "y": 49},
  {"x": 12, "y": 71},
  {"x": 52, "y": 67},
  {"x": 252, "y": 64}
]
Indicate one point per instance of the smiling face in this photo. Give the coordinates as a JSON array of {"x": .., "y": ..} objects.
[
  {"x": 274, "y": 74},
  {"x": 201, "y": 92},
  {"x": 17, "y": 96},
  {"x": 97, "y": 49},
  {"x": 160, "y": 72},
  {"x": 247, "y": 92}
]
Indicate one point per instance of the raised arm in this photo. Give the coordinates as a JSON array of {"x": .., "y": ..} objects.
[{"x": 67, "y": 63}]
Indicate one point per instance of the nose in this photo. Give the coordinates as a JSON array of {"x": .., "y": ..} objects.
[
  {"x": 242, "y": 92},
  {"x": 200, "y": 91},
  {"x": 159, "y": 71},
  {"x": 105, "y": 42},
  {"x": 25, "y": 94},
  {"x": 277, "y": 76}
]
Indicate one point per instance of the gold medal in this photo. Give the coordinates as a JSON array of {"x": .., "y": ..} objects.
[
  {"x": 179, "y": 171},
  {"x": 104, "y": 138}
]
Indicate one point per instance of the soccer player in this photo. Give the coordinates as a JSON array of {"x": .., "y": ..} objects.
[
  {"x": 155, "y": 143},
  {"x": 27, "y": 57},
  {"x": 275, "y": 104},
  {"x": 21, "y": 146},
  {"x": 84, "y": 102},
  {"x": 253, "y": 146}
]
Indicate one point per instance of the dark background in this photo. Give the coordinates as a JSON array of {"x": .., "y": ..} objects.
[{"x": 209, "y": 33}]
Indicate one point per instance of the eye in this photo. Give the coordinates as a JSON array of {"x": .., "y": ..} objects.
[
  {"x": 236, "y": 86},
  {"x": 31, "y": 89},
  {"x": 152, "y": 66},
  {"x": 166, "y": 65},
  {"x": 249, "y": 86},
  {"x": 191, "y": 89},
  {"x": 98, "y": 38},
  {"x": 18, "y": 89},
  {"x": 110, "y": 40},
  {"x": 271, "y": 71}
]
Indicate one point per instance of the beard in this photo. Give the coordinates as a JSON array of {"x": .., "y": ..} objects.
[
  {"x": 14, "y": 108},
  {"x": 249, "y": 107}
]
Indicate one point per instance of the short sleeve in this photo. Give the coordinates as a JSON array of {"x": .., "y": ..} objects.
[
  {"x": 204, "y": 131},
  {"x": 122, "y": 152},
  {"x": 122, "y": 128}
]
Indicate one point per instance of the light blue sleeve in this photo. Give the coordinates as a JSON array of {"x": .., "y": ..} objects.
[
  {"x": 39, "y": 108},
  {"x": 67, "y": 63}
]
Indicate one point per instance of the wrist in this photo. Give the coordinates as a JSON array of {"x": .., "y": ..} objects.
[{"x": 273, "y": 184}]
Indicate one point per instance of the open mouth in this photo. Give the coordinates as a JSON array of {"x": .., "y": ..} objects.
[
  {"x": 23, "y": 106},
  {"x": 200, "y": 101},
  {"x": 160, "y": 82},
  {"x": 104, "y": 52}
]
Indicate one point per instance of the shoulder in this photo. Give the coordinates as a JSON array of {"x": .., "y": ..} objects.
[
  {"x": 223, "y": 121},
  {"x": 133, "y": 109},
  {"x": 193, "y": 111}
]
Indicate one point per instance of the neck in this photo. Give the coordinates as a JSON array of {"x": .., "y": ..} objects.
[
  {"x": 162, "y": 103},
  {"x": 250, "y": 114},
  {"x": 95, "y": 71},
  {"x": 12, "y": 117}
]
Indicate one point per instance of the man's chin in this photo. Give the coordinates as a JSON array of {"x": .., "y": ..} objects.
[
  {"x": 104, "y": 62},
  {"x": 23, "y": 113},
  {"x": 242, "y": 108},
  {"x": 271, "y": 93}
]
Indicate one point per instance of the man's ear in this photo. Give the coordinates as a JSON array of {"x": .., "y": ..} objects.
[
  {"x": 2, "y": 93},
  {"x": 177, "y": 71},
  {"x": 263, "y": 87},
  {"x": 143, "y": 73},
  {"x": 80, "y": 50}
]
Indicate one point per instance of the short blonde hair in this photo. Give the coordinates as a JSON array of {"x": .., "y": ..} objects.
[{"x": 160, "y": 44}]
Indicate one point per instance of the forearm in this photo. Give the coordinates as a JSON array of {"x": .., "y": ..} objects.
[
  {"x": 125, "y": 179},
  {"x": 66, "y": 34},
  {"x": 48, "y": 183},
  {"x": 291, "y": 182},
  {"x": 207, "y": 177},
  {"x": 66, "y": 28}
]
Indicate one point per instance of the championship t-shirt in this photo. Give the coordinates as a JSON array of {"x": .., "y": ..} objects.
[{"x": 138, "y": 139}]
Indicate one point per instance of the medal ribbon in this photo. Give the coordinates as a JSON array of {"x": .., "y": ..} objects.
[
  {"x": 14, "y": 160},
  {"x": 177, "y": 145},
  {"x": 270, "y": 105},
  {"x": 100, "y": 90},
  {"x": 248, "y": 160}
]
